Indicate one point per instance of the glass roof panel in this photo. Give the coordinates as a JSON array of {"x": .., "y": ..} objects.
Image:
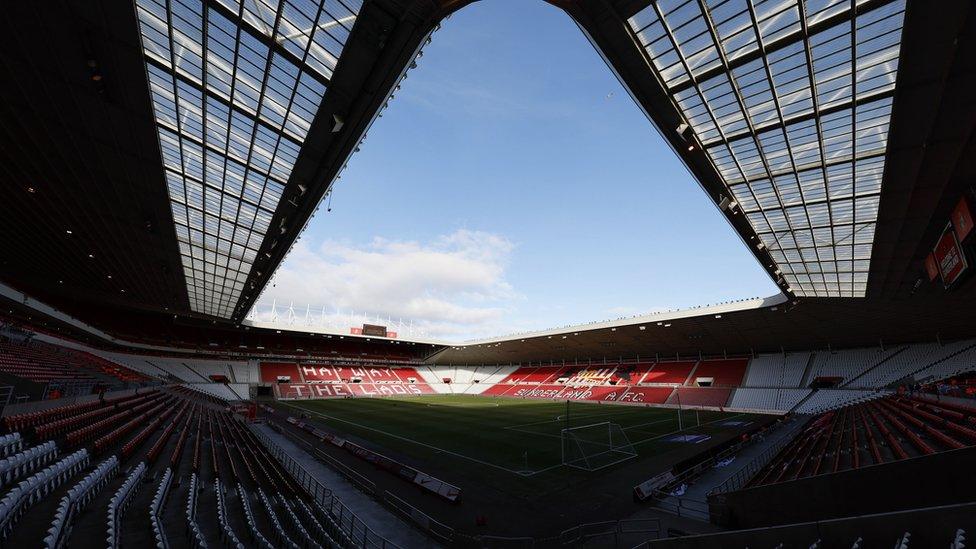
[
  {"x": 235, "y": 87},
  {"x": 791, "y": 102}
]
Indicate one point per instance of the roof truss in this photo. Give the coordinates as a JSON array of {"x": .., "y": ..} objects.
[{"x": 791, "y": 103}]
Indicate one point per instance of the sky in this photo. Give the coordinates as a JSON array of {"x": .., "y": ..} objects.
[{"x": 512, "y": 185}]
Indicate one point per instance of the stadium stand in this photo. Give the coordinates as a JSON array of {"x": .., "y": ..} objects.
[
  {"x": 162, "y": 159},
  {"x": 846, "y": 365},
  {"x": 42, "y": 363},
  {"x": 273, "y": 372},
  {"x": 670, "y": 372},
  {"x": 138, "y": 364},
  {"x": 951, "y": 364},
  {"x": 720, "y": 373},
  {"x": 828, "y": 399},
  {"x": 225, "y": 391},
  {"x": 898, "y": 366},
  {"x": 715, "y": 397},
  {"x": 768, "y": 382},
  {"x": 23, "y": 363},
  {"x": 865, "y": 433},
  {"x": 770, "y": 399},
  {"x": 778, "y": 370},
  {"x": 42, "y": 485},
  {"x": 860, "y": 423}
]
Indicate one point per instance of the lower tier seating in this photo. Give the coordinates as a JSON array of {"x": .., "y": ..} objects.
[
  {"x": 45, "y": 492},
  {"x": 869, "y": 433}
]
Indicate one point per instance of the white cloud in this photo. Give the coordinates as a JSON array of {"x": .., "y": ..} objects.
[{"x": 452, "y": 286}]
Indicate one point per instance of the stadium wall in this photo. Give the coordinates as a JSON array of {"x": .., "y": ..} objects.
[
  {"x": 896, "y": 486},
  {"x": 928, "y": 526}
]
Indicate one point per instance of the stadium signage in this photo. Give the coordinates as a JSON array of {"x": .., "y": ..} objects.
[
  {"x": 344, "y": 390},
  {"x": 374, "y": 330},
  {"x": 949, "y": 257}
]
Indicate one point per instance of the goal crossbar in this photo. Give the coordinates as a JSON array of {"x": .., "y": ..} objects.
[{"x": 595, "y": 446}]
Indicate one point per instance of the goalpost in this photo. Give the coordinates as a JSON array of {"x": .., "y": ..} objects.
[{"x": 595, "y": 446}]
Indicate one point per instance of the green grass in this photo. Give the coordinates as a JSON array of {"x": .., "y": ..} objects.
[{"x": 512, "y": 444}]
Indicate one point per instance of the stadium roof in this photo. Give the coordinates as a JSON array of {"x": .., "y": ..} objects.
[
  {"x": 235, "y": 87},
  {"x": 136, "y": 180},
  {"x": 791, "y": 102}
]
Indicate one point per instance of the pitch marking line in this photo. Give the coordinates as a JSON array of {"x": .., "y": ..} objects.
[
  {"x": 412, "y": 441},
  {"x": 682, "y": 430},
  {"x": 476, "y": 460},
  {"x": 462, "y": 405},
  {"x": 560, "y": 417}
]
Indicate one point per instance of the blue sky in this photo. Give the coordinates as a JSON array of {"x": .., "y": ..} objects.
[{"x": 513, "y": 185}]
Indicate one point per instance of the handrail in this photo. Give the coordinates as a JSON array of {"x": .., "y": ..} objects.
[
  {"x": 344, "y": 518},
  {"x": 745, "y": 473}
]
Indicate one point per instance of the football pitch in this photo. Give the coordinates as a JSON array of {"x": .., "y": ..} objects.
[{"x": 513, "y": 444}]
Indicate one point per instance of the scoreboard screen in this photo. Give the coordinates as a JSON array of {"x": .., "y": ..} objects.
[{"x": 374, "y": 330}]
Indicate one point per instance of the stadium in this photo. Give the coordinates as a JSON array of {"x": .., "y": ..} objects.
[{"x": 161, "y": 159}]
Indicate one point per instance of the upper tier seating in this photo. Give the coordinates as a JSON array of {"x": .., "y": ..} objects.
[
  {"x": 185, "y": 369},
  {"x": 847, "y": 364},
  {"x": 724, "y": 373},
  {"x": 533, "y": 374},
  {"x": 42, "y": 362},
  {"x": 271, "y": 371},
  {"x": 669, "y": 372},
  {"x": 776, "y": 370},
  {"x": 38, "y": 363},
  {"x": 471, "y": 380},
  {"x": 908, "y": 360},
  {"x": 954, "y": 362}
]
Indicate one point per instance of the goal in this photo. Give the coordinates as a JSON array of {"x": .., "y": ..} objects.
[{"x": 595, "y": 446}]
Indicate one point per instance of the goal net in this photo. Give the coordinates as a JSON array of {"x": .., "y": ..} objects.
[{"x": 595, "y": 446}]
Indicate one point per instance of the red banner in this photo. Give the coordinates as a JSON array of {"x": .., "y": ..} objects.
[
  {"x": 962, "y": 219},
  {"x": 949, "y": 257}
]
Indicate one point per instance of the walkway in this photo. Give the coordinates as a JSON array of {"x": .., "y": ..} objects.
[{"x": 381, "y": 520}]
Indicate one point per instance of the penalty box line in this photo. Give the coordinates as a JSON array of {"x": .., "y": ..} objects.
[
  {"x": 632, "y": 443},
  {"x": 561, "y": 417},
  {"x": 614, "y": 414},
  {"x": 412, "y": 441},
  {"x": 683, "y": 430}
]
